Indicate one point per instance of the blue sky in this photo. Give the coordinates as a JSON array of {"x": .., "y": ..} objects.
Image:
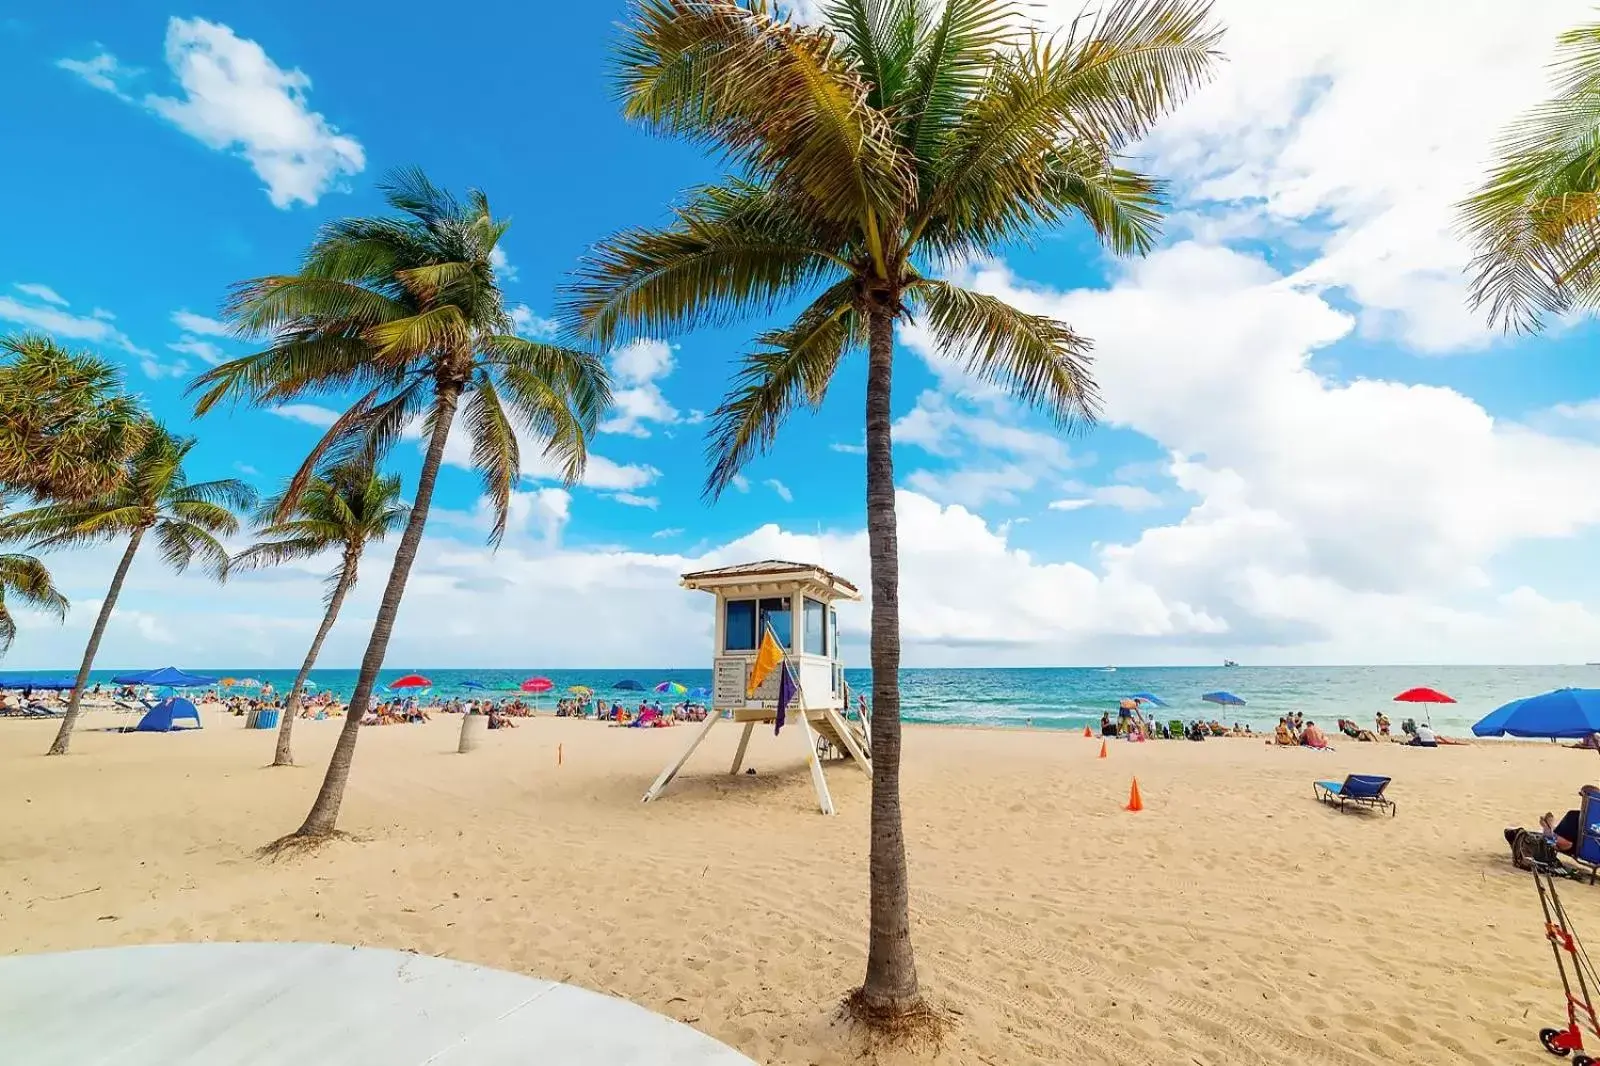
[{"x": 1311, "y": 452}]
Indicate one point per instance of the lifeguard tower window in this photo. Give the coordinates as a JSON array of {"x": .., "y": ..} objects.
[
  {"x": 747, "y": 619},
  {"x": 816, "y": 633}
]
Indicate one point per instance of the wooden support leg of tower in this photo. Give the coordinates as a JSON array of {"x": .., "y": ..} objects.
[
  {"x": 842, "y": 727},
  {"x": 672, "y": 771},
  {"x": 744, "y": 742},
  {"x": 824, "y": 798}
]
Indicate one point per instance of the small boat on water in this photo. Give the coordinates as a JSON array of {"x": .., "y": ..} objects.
[
  {"x": 1229, "y": 662},
  {"x": 1108, "y": 669}
]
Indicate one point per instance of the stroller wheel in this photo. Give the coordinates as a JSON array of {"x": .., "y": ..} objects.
[
  {"x": 1582, "y": 1060},
  {"x": 1547, "y": 1037}
]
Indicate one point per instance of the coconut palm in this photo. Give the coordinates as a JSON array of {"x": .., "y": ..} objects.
[
  {"x": 345, "y": 509},
  {"x": 66, "y": 427},
  {"x": 25, "y": 580},
  {"x": 1535, "y": 221},
  {"x": 155, "y": 498},
  {"x": 407, "y": 310},
  {"x": 898, "y": 136}
]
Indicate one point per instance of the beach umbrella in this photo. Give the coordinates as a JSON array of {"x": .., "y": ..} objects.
[
  {"x": 473, "y": 684},
  {"x": 628, "y": 684},
  {"x": 671, "y": 688},
  {"x": 1150, "y": 698},
  {"x": 166, "y": 677},
  {"x": 411, "y": 681},
  {"x": 581, "y": 690},
  {"x": 309, "y": 684},
  {"x": 537, "y": 685},
  {"x": 1422, "y": 695},
  {"x": 699, "y": 694},
  {"x": 1566, "y": 712},
  {"x": 1227, "y": 699}
]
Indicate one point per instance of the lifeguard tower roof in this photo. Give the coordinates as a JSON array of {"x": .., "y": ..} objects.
[{"x": 812, "y": 578}]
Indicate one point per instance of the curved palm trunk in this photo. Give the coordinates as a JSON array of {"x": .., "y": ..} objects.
[
  {"x": 325, "y": 811},
  {"x": 64, "y": 734},
  {"x": 291, "y": 706},
  {"x": 891, "y": 984}
]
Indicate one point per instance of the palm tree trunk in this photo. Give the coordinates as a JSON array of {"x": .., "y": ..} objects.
[
  {"x": 324, "y": 814},
  {"x": 891, "y": 984},
  {"x": 291, "y": 706},
  {"x": 64, "y": 734}
]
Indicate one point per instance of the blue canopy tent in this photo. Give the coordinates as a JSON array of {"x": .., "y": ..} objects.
[
  {"x": 39, "y": 682},
  {"x": 162, "y": 717},
  {"x": 1564, "y": 713},
  {"x": 166, "y": 677},
  {"x": 628, "y": 684},
  {"x": 1227, "y": 699},
  {"x": 1150, "y": 698}
]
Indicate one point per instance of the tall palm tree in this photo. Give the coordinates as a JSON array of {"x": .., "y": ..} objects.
[
  {"x": 345, "y": 509},
  {"x": 899, "y": 135},
  {"x": 155, "y": 498},
  {"x": 1535, "y": 221},
  {"x": 407, "y": 310},
  {"x": 25, "y": 580},
  {"x": 66, "y": 426}
]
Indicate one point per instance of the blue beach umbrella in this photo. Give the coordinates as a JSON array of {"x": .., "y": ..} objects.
[
  {"x": 628, "y": 684},
  {"x": 166, "y": 677},
  {"x": 699, "y": 694},
  {"x": 1566, "y": 712},
  {"x": 1149, "y": 697},
  {"x": 1227, "y": 699},
  {"x": 473, "y": 684}
]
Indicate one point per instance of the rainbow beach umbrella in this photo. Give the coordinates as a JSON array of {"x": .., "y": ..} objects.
[{"x": 671, "y": 688}]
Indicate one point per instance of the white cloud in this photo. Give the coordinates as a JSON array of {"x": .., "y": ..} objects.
[
  {"x": 972, "y": 486},
  {"x": 1077, "y": 504},
  {"x": 636, "y": 369},
  {"x": 780, "y": 488},
  {"x": 200, "y": 349},
  {"x": 740, "y": 482},
  {"x": 1122, "y": 497},
  {"x": 502, "y": 264},
  {"x": 848, "y": 449},
  {"x": 155, "y": 369},
  {"x": 236, "y": 99},
  {"x": 529, "y": 324},
  {"x": 670, "y": 531},
  {"x": 96, "y": 327},
  {"x": 309, "y": 413},
  {"x": 190, "y": 322},
  {"x": 633, "y": 500},
  {"x": 40, "y": 292},
  {"x": 1584, "y": 411}
]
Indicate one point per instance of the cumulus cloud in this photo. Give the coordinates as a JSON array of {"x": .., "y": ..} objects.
[
  {"x": 637, "y": 369},
  {"x": 234, "y": 98},
  {"x": 203, "y": 350},
  {"x": 309, "y": 413},
  {"x": 531, "y": 325},
  {"x": 1122, "y": 497},
  {"x": 40, "y": 292},
  {"x": 190, "y": 322},
  {"x": 780, "y": 488},
  {"x": 46, "y": 311}
]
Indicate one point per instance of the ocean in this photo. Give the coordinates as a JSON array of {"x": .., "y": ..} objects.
[{"x": 1071, "y": 697}]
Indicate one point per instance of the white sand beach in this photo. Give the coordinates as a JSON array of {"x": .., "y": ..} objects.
[{"x": 1233, "y": 921}]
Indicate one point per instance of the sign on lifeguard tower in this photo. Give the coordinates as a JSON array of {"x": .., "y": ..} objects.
[{"x": 794, "y": 603}]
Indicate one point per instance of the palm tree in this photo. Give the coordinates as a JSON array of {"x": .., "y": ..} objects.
[
  {"x": 899, "y": 135},
  {"x": 1535, "y": 221},
  {"x": 155, "y": 498},
  {"x": 408, "y": 311},
  {"x": 25, "y": 580},
  {"x": 66, "y": 426},
  {"x": 346, "y": 508}
]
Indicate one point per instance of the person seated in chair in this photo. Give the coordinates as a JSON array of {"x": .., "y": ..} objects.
[{"x": 1564, "y": 835}]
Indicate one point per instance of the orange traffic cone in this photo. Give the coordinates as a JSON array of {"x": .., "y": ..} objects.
[
  {"x": 1088, "y": 732},
  {"x": 1135, "y": 803},
  {"x": 1102, "y": 749}
]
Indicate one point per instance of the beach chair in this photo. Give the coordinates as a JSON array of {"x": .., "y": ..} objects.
[
  {"x": 1176, "y": 727},
  {"x": 1362, "y": 790},
  {"x": 1586, "y": 849}
]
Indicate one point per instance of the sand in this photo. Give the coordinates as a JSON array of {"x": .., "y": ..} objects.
[{"x": 1233, "y": 921}]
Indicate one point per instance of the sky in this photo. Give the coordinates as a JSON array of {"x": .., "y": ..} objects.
[{"x": 1311, "y": 450}]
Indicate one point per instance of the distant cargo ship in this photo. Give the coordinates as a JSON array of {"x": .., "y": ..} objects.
[{"x": 1229, "y": 662}]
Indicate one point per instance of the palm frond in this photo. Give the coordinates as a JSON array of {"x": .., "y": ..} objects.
[
  {"x": 24, "y": 579},
  {"x": 203, "y": 515},
  {"x": 494, "y": 449},
  {"x": 950, "y": 68},
  {"x": 181, "y": 542},
  {"x": 792, "y": 366},
  {"x": 1035, "y": 358},
  {"x": 228, "y": 492},
  {"x": 278, "y": 552},
  {"x": 577, "y": 377},
  {"x": 269, "y": 305}
]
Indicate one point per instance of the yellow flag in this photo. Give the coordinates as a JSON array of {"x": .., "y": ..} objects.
[{"x": 767, "y": 658}]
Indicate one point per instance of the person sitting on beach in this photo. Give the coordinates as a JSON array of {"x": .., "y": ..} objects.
[
  {"x": 1423, "y": 737},
  {"x": 1106, "y": 728},
  {"x": 1383, "y": 724},
  {"x": 1283, "y": 734},
  {"x": 1313, "y": 737},
  {"x": 1563, "y": 835}
]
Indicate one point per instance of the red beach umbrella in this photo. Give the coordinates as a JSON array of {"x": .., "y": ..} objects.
[
  {"x": 1423, "y": 695},
  {"x": 411, "y": 681},
  {"x": 537, "y": 684}
]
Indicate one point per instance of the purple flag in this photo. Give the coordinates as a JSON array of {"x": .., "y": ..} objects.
[{"x": 785, "y": 697}]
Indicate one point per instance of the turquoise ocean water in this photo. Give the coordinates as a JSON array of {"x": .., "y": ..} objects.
[{"x": 1068, "y": 698}]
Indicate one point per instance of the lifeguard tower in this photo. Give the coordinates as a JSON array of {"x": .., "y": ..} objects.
[{"x": 797, "y": 602}]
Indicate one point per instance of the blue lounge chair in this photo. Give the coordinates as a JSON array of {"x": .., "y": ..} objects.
[
  {"x": 1586, "y": 849},
  {"x": 1363, "y": 790}
]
